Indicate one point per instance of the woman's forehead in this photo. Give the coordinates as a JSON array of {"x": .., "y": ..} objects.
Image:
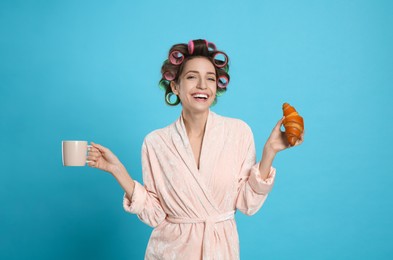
[{"x": 200, "y": 64}]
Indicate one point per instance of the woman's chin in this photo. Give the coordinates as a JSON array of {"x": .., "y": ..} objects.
[{"x": 199, "y": 107}]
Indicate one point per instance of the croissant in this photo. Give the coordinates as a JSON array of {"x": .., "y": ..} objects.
[{"x": 293, "y": 123}]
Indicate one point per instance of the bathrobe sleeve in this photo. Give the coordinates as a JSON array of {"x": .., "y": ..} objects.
[
  {"x": 145, "y": 202},
  {"x": 252, "y": 189}
]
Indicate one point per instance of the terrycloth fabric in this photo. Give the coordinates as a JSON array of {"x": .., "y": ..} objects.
[{"x": 192, "y": 210}]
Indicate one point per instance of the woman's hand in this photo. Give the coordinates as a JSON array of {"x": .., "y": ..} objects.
[
  {"x": 102, "y": 158},
  {"x": 277, "y": 140}
]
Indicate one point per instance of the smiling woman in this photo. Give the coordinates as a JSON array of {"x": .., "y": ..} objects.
[
  {"x": 200, "y": 169},
  {"x": 179, "y": 55}
]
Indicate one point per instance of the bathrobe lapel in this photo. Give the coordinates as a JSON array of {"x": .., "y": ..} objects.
[{"x": 184, "y": 149}]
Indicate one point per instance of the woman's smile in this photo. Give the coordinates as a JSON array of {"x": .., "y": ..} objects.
[{"x": 201, "y": 97}]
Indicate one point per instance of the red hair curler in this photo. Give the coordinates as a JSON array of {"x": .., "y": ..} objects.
[
  {"x": 169, "y": 76},
  {"x": 210, "y": 46},
  {"x": 176, "y": 57},
  {"x": 222, "y": 82},
  {"x": 220, "y": 59}
]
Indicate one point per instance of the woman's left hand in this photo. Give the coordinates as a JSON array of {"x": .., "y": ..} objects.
[{"x": 277, "y": 140}]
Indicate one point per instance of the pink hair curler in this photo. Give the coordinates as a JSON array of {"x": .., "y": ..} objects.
[
  {"x": 222, "y": 82},
  {"x": 210, "y": 46},
  {"x": 176, "y": 57},
  {"x": 169, "y": 76},
  {"x": 220, "y": 59},
  {"x": 191, "y": 47}
]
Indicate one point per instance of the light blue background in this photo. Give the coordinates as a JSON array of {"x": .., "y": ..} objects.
[{"x": 89, "y": 70}]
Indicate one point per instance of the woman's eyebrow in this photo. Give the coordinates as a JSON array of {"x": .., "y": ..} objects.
[{"x": 194, "y": 71}]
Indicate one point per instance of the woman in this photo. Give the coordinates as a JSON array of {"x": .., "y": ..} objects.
[{"x": 198, "y": 170}]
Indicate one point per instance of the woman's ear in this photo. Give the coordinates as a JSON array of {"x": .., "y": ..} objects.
[{"x": 174, "y": 88}]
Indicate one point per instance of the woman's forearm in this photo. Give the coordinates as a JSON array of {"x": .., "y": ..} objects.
[
  {"x": 266, "y": 162},
  {"x": 124, "y": 179}
]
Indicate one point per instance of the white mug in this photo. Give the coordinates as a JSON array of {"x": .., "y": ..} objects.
[{"x": 74, "y": 153}]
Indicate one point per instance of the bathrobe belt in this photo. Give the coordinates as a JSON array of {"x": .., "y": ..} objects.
[{"x": 209, "y": 222}]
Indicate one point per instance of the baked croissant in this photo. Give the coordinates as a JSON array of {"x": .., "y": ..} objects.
[{"x": 293, "y": 123}]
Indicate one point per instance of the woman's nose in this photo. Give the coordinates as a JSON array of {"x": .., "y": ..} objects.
[{"x": 202, "y": 84}]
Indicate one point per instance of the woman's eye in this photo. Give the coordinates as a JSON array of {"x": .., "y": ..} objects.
[
  {"x": 212, "y": 79},
  {"x": 190, "y": 77}
]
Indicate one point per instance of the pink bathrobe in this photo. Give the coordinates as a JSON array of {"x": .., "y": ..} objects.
[{"x": 191, "y": 210}]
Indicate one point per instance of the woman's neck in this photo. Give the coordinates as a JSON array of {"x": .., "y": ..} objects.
[{"x": 195, "y": 123}]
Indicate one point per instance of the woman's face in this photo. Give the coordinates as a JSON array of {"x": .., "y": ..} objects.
[{"x": 197, "y": 85}]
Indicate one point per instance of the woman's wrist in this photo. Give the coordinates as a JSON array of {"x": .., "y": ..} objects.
[
  {"x": 117, "y": 170},
  {"x": 266, "y": 161},
  {"x": 268, "y": 152},
  {"x": 121, "y": 175}
]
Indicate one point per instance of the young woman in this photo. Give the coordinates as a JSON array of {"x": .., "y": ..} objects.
[{"x": 199, "y": 170}]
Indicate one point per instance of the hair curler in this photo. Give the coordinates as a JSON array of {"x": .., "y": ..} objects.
[
  {"x": 176, "y": 57},
  {"x": 210, "y": 46},
  {"x": 220, "y": 59},
  {"x": 169, "y": 76},
  {"x": 191, "y": 47},
  {"x": 222, "y": 82}
]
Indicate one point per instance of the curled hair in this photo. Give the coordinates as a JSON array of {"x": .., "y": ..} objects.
[{"x": 178, "y": 56}]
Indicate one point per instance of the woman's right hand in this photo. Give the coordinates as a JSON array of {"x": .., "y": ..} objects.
[{"x": 102, "y": 158}]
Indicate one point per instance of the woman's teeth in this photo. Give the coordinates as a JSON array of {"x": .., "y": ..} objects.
[{"x": 203, "y": 96}]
